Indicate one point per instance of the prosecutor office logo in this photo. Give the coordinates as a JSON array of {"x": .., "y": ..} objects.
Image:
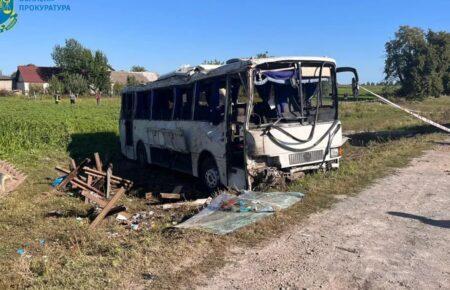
[{"x": 8, "y": 17}]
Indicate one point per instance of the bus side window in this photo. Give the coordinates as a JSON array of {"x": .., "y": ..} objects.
[
  {"x": 183, "y": 103},
  {"x": 143, "y": 103},
  {"x": 163, "y": 104},
  {"x": 127, "y": 105},
  {"x": 210, "y": 100}
]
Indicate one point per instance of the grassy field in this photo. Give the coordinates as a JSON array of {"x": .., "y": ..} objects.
[{"x": 37, "y": 135}]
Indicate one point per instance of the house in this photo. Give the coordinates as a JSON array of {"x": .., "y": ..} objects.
[
  {"x": 31, "y": 75},
  {"x": 121, "y": 77},
  {"x": 6, "y": 83}
]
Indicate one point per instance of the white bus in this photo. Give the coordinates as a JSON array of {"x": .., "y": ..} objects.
[{"x": 237, "y": 124}]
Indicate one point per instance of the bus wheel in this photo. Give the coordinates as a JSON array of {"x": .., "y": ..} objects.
[
  {"x": 210, "y": 174},
  {"x": 141, "y": 155}
]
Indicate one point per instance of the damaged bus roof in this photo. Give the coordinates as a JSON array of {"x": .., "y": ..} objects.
[{"x": 188, "y": 74}]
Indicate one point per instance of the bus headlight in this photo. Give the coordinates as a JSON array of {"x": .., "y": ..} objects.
[{"x": 336, "y": 152}]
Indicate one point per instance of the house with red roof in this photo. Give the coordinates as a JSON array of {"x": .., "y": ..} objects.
[{"x": 30, "y": 75}]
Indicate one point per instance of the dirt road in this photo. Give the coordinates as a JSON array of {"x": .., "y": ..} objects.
[{"x": 395, "y": 234}]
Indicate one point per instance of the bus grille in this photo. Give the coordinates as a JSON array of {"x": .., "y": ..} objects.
[{"x": 305, "y": 157}]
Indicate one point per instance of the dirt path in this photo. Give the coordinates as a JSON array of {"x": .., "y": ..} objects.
[{"x": 395, "y": 234}]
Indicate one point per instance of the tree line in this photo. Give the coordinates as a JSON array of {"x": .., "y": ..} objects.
[{"x": 419, "y": 62}]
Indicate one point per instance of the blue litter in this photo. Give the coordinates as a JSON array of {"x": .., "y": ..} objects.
[
  {"x": 21, "y": 252},
  {"x": 42, "y": 242},
  {"x": 58, "y": 181}
]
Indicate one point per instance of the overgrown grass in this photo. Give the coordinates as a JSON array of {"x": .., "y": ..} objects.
[{"x": 37, "y": 135}]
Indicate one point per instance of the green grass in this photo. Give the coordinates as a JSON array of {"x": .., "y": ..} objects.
[{"x": 37, "y": 135}]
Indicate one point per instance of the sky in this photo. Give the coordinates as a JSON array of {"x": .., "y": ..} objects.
[{"x": 163, "y": 35}]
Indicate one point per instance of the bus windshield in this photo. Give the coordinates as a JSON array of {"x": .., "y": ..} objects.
[{"x": 290, "y": 94}]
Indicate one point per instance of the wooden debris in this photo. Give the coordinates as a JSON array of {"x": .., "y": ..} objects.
[
  {"x": 10, "y": 178},
  {"x": 195, "y": 203},
  {"x": 170, "y": 195},
  {"x": 72, "y": 175},
  {"x": 98, "y": 162},
  {"x": 108, "y": 180},
  {"x": 96, "y": 186},
  {"x": 107, "y": 208}
]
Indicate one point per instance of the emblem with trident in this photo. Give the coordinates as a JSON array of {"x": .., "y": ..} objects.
[{"x": 7, "y": 7}]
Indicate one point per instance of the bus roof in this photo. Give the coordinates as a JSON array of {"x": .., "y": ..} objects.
[{"x": 189, "y": 74}]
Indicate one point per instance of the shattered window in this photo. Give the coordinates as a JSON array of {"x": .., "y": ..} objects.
[
  {"x": 143, "y": 105},
  {"x": 163, "y": 104},
  {"x": 127, "y": 105},
  {"x": 210, "y": 100},
  {"x": 183, "y": 103}
]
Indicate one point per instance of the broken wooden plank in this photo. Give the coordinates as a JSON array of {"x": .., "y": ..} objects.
[
  {"x": 89, "y": 182},
  {"x": 107, "y": 208},
  {"x": 95, "y": 198},
  {"x": 195, "y": 203},
  {"x": 73, "y": 165},
  {"x": 108, "y": 180},
  {"x": 103, "y": 174},
  {"x": 98, "y": 162},
  {"x": 85, "y": 186},
  {"x": 170, "y": 195},
  {"x": 72, "y": 175}
]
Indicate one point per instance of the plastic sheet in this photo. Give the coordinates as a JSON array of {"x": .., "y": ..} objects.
[{"x": 227, "y": 213}]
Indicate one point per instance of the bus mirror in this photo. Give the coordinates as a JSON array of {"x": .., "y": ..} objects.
[{"x": 355, "y": 78}]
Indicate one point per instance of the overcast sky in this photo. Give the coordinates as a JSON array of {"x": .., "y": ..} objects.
[{"x": 162, "y": 35}]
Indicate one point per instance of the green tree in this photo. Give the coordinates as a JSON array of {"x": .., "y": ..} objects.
[
  {"x": 56, "y": 86},
  {"x": 75, "y": 59},
  {"x": 138, "y": 68},
  {"x": 76, "y": 84},
  {"x": 419, "y": 61}
]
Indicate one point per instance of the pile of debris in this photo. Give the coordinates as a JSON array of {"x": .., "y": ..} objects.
[
  {"x": 10, "y": 178},
  {"x": 98, "y": 185}
]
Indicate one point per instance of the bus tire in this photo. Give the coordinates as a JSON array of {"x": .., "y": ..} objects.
[
  {"x": 209, "y": 174},
  {"x": 141, "y": 155}
]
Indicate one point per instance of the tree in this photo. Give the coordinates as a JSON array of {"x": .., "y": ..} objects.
[
  {"x": 137, "y": 68},
  {"x": 418, "y": 61},
  {"x": 76, "y": 84},
  {"x": 55, "y": 85},
  {"x": 74, "y": 59},
  {"x": 213, "y": 62}
]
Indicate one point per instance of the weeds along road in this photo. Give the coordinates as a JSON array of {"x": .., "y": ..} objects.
[{"x": 395, "y": 234}]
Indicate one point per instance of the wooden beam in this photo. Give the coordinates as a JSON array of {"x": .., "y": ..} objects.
[
  {"x": 195, "y": 203},
  {"x": 89, "y": 182},
  {"x": 108, "y": 181},
  {"x": 85, "y": 186},
  {"x": 103, "y": 174},
  {"x": 73, "y": 165},
  {"x": 72, "y": 175},
  {"x": 170, "y": 195},
  {"x": 95, "y": 198},
  {"x": 107, "y": 208},
  {"x": 98, "y": 162}
]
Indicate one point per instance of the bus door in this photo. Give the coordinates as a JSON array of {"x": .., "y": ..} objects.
[{"x": 236, "y": 118}]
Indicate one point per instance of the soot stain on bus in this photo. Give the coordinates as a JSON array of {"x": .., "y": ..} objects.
[{"x": 245, "y": 124}]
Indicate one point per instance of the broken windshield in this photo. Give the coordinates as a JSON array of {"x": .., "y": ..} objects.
[{"x": 294, "y": 93}]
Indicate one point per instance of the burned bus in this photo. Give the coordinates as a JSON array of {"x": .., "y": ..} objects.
[{"x": 239, "y": 124}]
